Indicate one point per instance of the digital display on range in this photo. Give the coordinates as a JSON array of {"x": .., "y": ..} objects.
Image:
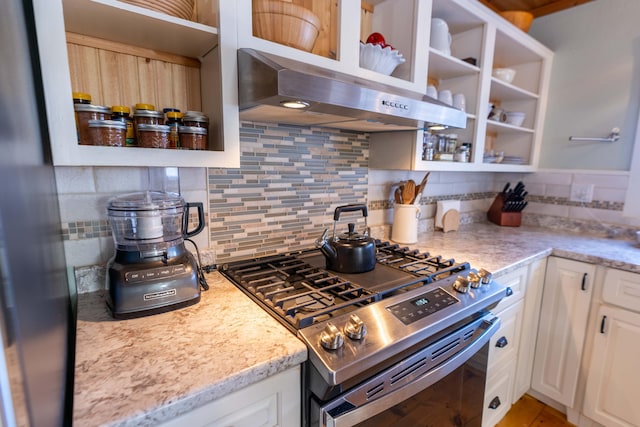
[
  {"x": 423, "y": 306},
  {"x": 420, "y": 302}
]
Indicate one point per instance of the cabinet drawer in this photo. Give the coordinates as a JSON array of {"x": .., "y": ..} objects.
[
  {"x": 503, "y": 346},
  {"x": 517, "y": 281},
  {"x": 622, "y": 288},
  {"x": 497, "y": 396}
]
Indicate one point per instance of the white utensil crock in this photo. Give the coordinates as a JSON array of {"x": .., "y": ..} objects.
[{"x": 405, "y": 223}]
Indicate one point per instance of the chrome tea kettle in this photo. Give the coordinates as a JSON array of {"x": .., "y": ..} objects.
[{"x": 349, "y": 252}]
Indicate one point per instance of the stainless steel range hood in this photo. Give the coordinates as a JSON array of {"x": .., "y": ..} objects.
[{"x": 334, "y": 100}]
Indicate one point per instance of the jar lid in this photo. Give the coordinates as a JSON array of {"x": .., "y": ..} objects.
[
  {"x": 120, "y": 109},
  {"x": 192, "y": 129},
  {"x": 107, "y": 124},
  {"x": 145, "y": 107},
  {"x": 170, "y": 110},
  {"x": 81, "y": 96},
  {"x": 153, "y": 128},
  {"x": 196, "y": 116},
  {"x": 453, "y": 136},
  {"x": 174, "y": 115},
  {"x": 147, "y": 113},
  {"x": 92, "y": 108}
]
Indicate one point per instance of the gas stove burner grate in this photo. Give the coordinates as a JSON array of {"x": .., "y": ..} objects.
[
  {"x": 429, "y": 268},
  {"x": 297, "y": 291}
]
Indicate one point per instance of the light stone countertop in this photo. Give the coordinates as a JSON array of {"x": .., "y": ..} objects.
[
  {"x": 143, "y": 371},
  {"x": 139, "y": 372}
]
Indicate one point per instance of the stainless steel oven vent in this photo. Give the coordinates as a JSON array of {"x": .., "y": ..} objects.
[{"x": 267, "y": 82}]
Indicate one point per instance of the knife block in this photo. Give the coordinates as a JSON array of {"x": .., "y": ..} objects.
[{"x": 504, "y": 219}]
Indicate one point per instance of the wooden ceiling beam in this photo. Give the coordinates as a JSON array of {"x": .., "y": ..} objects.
[
  {"x": 537, "y": 7},
  {"x": 556, "y": 6}
]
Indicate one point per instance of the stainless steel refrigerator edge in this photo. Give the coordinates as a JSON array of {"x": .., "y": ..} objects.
[{"x": 37, "y": 319}]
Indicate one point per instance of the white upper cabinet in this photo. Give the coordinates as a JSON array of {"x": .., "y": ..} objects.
[
  {"x": 123, "y": 54},
  {"x": 480, "y": 42}
]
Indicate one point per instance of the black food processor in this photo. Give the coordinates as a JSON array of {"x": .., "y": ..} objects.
[{"x": 151, "y": 271}]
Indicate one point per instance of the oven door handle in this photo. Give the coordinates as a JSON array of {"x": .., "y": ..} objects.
[{"x": 352, "y": 408}]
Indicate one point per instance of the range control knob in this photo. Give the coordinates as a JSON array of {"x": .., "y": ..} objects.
[
  {"x": 461, "y": 285},
  {"x": 331, "y": 338},
  {"x": 485, "y": 276},
  {"x": 474, "y": 279},
  {"x": 355, "y": 328}
]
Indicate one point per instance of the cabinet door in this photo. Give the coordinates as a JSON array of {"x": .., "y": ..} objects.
[
  {"x": 563, "y": 316},
  {"x": 530, "y": 319},
  {"x": 612, "y": 383},
  {"x": 273, "y": 402}
]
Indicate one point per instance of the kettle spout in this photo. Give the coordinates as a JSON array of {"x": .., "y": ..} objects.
[{"x": 323, "y": 243}]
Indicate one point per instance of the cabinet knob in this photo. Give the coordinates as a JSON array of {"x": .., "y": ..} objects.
[
  {"x": 355, "y": 328},
  {"x": 331, "y": 338},
  {"x": 495, "y": 402},
  {"x": 502, "y": 342}
]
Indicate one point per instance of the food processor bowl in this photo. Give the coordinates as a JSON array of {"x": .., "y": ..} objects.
[{"x": 150, "y": 220}]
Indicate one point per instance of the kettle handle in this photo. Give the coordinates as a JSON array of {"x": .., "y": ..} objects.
[
  {"x": 350, "y": 208},
  {"x": 185, "y": 219}
]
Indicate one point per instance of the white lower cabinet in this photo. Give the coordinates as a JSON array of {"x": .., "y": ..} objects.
[
  {"x": 529, "y": 331},
  {"x": 562, "y": 329},
  {"x": 273, "y": 402},
  {"x": 501, "y": 368},
  {"x": 611, "y": 396},
  {"x": 612, "y": 375}
]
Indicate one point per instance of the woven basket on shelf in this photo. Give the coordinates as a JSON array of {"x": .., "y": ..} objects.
[
  {"x": 285, "y": 23},
  {"x": 179, "y": 8}
]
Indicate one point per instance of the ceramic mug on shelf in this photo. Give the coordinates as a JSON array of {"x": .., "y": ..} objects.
[
  {"x": 459, "y": 101},
  {"x": 445, "y": 96},
  {"x": 440, "y": 36},
  {"x": 432, "y": 91}
]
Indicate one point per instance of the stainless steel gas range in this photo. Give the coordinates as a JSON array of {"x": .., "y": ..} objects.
[{"x": 405, "y": 342}]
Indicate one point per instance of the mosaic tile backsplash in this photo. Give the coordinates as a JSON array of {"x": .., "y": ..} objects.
[{"x": 291, "y": 180}]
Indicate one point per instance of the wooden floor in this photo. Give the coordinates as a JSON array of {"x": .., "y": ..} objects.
[{"x": 529, "y": 412}]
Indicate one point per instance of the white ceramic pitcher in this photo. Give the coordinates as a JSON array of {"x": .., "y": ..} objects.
[{"x": 440, "y": 36}]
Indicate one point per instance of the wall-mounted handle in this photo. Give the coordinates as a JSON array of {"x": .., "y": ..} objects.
[
  {"x": 612, "y": 137},
  {"x": 583, "y": 286}
]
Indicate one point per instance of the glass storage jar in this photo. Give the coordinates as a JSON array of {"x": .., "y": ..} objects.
[
  {"x": 193, "y": 138},
  {"x": 153, "y": 136},
  {"x": 147, "y": 117},
  {"x": 86, "y": 112},
  {"x": 110, "y": 133}
]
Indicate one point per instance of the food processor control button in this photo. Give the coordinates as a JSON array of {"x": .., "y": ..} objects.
[
  {"x": 331, "y": 338},
  {"x": 485, "y": 276},
  {"x": 474, "y": 279},
  {"x": 461, "y": 285},
  {"x": 355, "y": 328}
]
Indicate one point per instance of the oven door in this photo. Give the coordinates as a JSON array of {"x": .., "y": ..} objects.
[{"x": 442, "y": 384}]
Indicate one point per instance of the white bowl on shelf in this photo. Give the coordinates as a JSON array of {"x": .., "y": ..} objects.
[
  {"x": 515, "y": 118},
  {"x": 382, "y": 60},
  {"x": 505, "y": 74}
]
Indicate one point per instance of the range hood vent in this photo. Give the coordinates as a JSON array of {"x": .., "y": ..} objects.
[{"x": 331, "y": 99}]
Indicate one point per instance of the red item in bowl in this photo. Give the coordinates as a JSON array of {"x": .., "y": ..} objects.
[{"x": 376, "y": 38}]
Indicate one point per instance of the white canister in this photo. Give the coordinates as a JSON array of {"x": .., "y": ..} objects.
[
  {"x": 405, "y": 223},
  {"x": 440, "y": 36}
]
